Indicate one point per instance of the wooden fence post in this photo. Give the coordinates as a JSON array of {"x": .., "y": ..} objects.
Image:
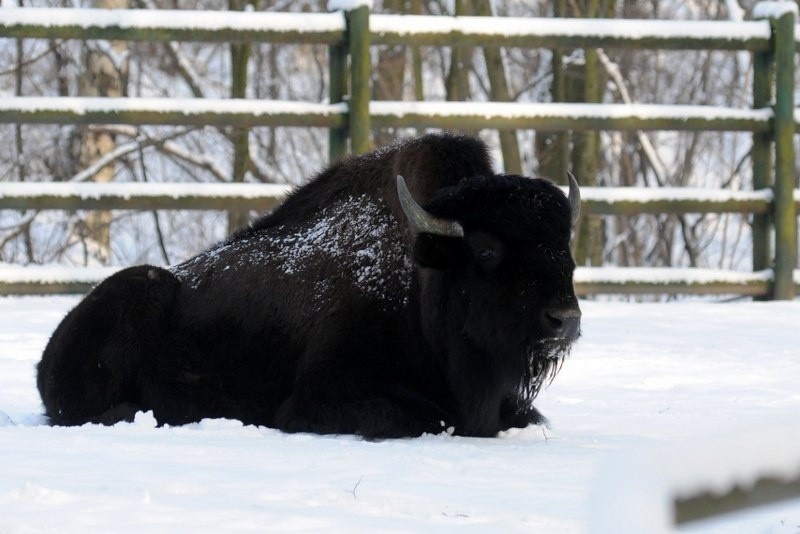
[
  {"x": 761, "y": 158},
  {"x": 239, "y": 137},
  {"x": 337, "y": 88},
  {"x": 785, "y": 213},
  {"x": 360, "y": 72}
]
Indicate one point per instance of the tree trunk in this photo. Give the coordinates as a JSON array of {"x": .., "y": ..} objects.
[
  {"x": 103, "y": 76},
  {"x": 498, "y": 87},
  {"x": 552, "y": 149},
  {"x": 240, "y": 137},
  {"x": 457, "y": 80},
  {"x": 21, "y": 165},
  {"x": 586, "y": 85},
  {"x": 389, "y": 75},
  {"x": 416, "y": 59}
]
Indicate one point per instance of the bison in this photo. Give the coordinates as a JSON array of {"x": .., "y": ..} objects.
[{"x": 406, "y": 291}]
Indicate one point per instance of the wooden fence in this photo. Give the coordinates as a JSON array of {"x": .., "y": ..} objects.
[{"x": 772, "y": 120}]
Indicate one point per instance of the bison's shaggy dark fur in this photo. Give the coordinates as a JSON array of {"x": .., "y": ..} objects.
[{"x": 334, "y": 314}]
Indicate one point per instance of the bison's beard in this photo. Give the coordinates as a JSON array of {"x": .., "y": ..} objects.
[{"x": 544, "y": 359}]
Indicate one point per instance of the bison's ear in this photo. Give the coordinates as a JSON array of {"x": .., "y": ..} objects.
[{"x": 437, "y": 252}]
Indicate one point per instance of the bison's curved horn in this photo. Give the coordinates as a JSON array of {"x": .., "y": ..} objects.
[
  {"x": 574, "y": 197},
  {"x": 420, "y": 219}
]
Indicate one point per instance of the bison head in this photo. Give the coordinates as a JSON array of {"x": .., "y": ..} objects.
[{"x": 496, "y": 292}]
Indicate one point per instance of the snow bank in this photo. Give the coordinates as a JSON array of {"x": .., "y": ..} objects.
[
  {"x": 642, "y": 376},
  {"x": 635, "y": 492},
  {"x": 735, "y": 460}
]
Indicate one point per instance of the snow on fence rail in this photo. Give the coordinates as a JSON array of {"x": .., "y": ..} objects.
[
  {"x": 558, "y": 32},
  {"x": 185, "y": 196},
  {"x": 330, "y": 28},
  {"x": 636, "y": 200},
  {"x": 140, "y": 196},
  {"x": 673, "y": 281},
  {"x": 467, "y": 115},
  {"x": 772, "y": 40},
  {"x": 172, "y": 25},
  {"x": 563, "y": 116},
  {"x": 172, "y": 111}
]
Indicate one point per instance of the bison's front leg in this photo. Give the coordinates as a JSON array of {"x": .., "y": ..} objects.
[
  {"x": 514, "y": 416},
  {"x": 92, "y": 366},
  {"x": 371, "y": 417},
  {"x": 342, "y": 394}
]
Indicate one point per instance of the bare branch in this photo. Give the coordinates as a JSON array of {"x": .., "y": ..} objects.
[
  {"x": 142, "y": 140},
  {"x": 612, "y": 69},
  {"x": 355, "y": 488},
  {"x": 106, "y": 159},
  {"x": 31, "y": 60},
  {"x": 203, "y": 161}
]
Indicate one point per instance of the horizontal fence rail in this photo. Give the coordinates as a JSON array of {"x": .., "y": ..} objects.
[
  {"x": 468, "y": 115},
  {"x": 562, "y": 116},
  {"x": 353, "y": 115},
  {"x": 588, "y": 281},
  {"x": 632, "y": 201},
  {"x": 172, "y": 111},
  {"x": 140, "y": 196},
  {"x": 173, "y": 25},
  {"x": 421, "y": 30},
  {"x": 192, "y": 196},
  {"x": 673, "y": 281},
  {"x": 565, "y": 32},
  {"x": 44, "y": 280}
]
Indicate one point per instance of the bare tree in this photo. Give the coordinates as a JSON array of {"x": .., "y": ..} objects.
[
  {"x": 104, "y": 75},
  {"x": 299, "y": 72}
]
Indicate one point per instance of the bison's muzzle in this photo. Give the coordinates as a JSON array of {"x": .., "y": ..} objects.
[{"x": 563, "y": 324}]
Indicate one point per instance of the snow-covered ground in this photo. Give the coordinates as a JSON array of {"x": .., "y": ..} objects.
[{"x": 642, "y": 376}]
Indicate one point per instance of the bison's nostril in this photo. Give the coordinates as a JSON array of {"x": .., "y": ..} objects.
[
  {"x": 554, "y": 322},
  {"x": 564, "y": 323}
]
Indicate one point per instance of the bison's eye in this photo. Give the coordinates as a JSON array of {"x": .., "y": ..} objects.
[
  {"x": 486, "y": 249},
  {"x": 486, "y": 254}
]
